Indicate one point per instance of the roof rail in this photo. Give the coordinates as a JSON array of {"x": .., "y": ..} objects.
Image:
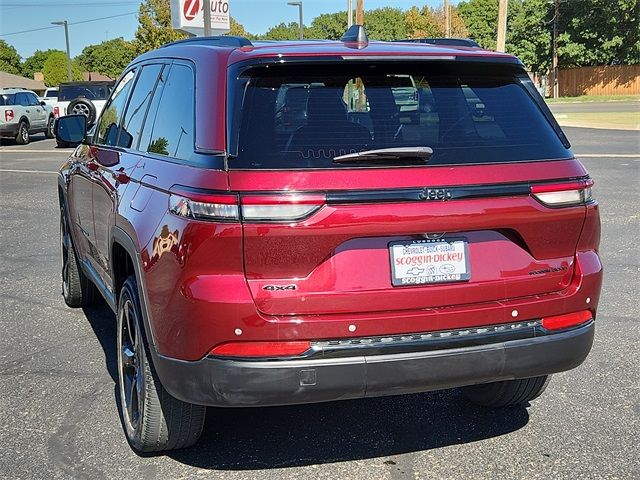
[
  {"x": 454, "y": 42},
  {"x": 216, "y": 41}
]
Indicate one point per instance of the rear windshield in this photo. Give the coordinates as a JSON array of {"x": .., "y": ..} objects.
[
  {"x": 295, "y": 116},
  {"x": 92, "y": 92},
  {"x": 52, "y": 94}
]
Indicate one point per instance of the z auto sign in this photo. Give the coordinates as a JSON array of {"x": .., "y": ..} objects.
[{"x": 188, "y": 15}]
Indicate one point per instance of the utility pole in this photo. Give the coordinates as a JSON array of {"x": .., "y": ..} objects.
[
  {"x": 349, "y": 13},
  {"x": 360, "y": 12},
  {"x": 447, "y": 19},
  {"x": 207, "y": 18},
  {"x": 66, "y": 38},
  {"x": 554, "y": 62},
  {"x": 300, "y": 21},
  {"x": 502, "y": 26}
]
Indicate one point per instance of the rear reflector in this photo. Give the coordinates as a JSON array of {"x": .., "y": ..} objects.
[
  {"x": 56, "y": 112},
  {"x": 261, "y": 349},
  {"x": 568, "y": 320},
  {"x": 280, "y": 208},
  {"x": 563, "y": 194}
]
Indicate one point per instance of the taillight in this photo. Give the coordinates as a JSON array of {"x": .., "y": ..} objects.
[
  {"x": 559, "y": 322},
  {"x": 286, "y": 207},
  {"x": 191, "y": 203},
  {"x": 56, "y": 112},
  {"x": 563, "y": 194},
  {"x": 214, "y": 206},
  {"x": 261, "y": 349},
  {"x": 8, "y": 115}
]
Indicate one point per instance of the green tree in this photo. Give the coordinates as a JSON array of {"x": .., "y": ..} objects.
[
  {"x": 35, "y": 63},
  {"x": 481, "y": 19},
  {"x": 154, "y": 29},
  {"x": 529, "y": 35},
  {"x": 55, "y": 69},
  {"x": 283, "y": 31},
  {"x": 594, "y": 32},
  {"x": 109, "y": 57},
  {"x": 9, "y": 59},
  {"x": 328, "y": 26},
  {"x": 430, "y": 22},
  {"x": 385, "y": 23}
]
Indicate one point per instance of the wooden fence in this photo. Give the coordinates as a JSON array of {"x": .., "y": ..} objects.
[{"x": 605, "y": 80}]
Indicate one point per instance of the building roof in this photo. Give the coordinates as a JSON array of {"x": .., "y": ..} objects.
[{"x": 8, "y": 80}]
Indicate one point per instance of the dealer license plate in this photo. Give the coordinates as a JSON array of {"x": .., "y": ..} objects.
[{"x": 420, "y": 262}]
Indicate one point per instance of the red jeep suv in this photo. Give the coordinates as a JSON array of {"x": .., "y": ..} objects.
[{"x": 293, "y": 222}]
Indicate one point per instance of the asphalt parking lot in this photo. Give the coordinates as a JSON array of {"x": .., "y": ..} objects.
[{"x": 58, "y": 414}]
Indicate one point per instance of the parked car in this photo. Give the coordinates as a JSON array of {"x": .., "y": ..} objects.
[
  {"x": 83, "y": 98},
  {"x": 50, "y": 96},
  {"x": 22, "y": 114},
  {"x": 454, "y": 42},
  {"x": 251, "y": 265}
]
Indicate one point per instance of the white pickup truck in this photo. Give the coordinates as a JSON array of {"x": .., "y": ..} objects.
[{"x": 82, "y": 98}]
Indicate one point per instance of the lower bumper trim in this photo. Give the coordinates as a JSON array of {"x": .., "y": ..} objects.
[{"x": 222, "y": 382}]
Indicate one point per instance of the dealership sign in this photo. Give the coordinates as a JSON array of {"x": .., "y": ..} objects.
[{"x": 188, "y": 16}]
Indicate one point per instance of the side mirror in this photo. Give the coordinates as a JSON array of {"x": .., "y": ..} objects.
[
  {"x": 43, "y": 103},
  {"x": 71, "y": 129}
]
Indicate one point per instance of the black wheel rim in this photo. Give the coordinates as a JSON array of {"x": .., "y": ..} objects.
[
  {"x": 64, "y": 253},
  {"x": 130, "y": 366}
]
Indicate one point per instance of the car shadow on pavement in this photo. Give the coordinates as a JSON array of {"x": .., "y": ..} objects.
[{"x": 280, "y": 437}]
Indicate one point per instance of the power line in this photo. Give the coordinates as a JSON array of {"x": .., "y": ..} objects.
[
  {"x": 70, "y": 23},
  {"x": 68, "y": 4}
]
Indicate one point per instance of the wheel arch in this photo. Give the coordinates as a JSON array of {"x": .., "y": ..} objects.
[{"x": 126, "y": 261}]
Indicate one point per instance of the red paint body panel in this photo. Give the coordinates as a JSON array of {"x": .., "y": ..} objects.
[{"x": 204, "y": 281}]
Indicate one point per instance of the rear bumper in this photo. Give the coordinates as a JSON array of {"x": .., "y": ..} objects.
[
  {"x": 8, "y": 130},
  {"x": 219, "y": 382}
]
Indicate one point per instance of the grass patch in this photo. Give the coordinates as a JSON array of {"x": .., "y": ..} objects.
[
  {"x": 595, "y": 98},
  {"x": 626, "y": 120}
]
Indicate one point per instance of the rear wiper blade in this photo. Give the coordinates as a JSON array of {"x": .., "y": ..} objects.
[{"x": 398, "y": 153}]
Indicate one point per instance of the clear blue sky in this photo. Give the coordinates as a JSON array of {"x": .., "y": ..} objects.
[{"x": 256, "y": 15}]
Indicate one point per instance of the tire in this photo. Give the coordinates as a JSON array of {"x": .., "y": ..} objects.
[
  {"x": 507, "y": 393},
  {"x": 22, "y": 136},
  {"x": 83, "y": 106},
  {"x": 49, "y": 132},
  {"x": 77, "y": 289},
  {"x": 152, "y": 419}
]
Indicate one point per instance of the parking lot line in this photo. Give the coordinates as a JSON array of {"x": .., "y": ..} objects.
[
  {"x": 25, "y": 171},
  {"x": 610, "y": 155},
  {"x": 20, "y": 150}
]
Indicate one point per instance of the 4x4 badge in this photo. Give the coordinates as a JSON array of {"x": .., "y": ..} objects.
[
  {"x": 279, "y": 287},
  {"x": 435, "y": 194}
]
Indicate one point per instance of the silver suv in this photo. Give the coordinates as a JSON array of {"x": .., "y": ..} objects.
[{"x": 23, "y": 114}]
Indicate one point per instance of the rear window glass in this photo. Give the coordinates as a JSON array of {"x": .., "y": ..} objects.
[
  {"x": 92, "y": 92},
  {"x": 304, "y": 116},
  {"x": 52, "y": 94}
]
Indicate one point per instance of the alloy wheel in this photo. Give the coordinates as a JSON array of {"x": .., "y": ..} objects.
[
  {"x": 81, "y": 109},
  {"x": 24, "y": 133},
  {"x": 130, "y": 367}
]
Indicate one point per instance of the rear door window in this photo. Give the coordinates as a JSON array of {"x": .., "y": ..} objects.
[{"x": 303, "y": 116}]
